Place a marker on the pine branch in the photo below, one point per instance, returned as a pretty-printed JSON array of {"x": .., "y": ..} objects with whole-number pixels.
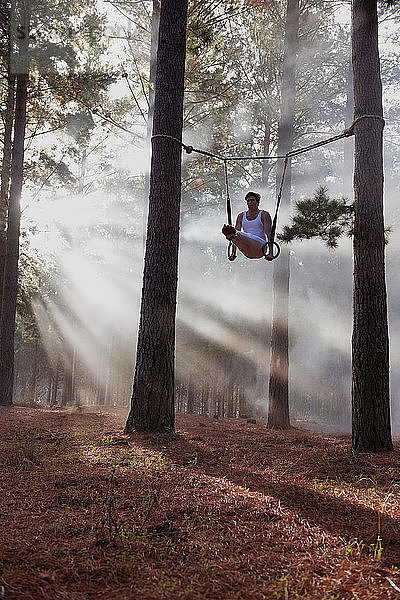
[{"x": 320, "y": 217}]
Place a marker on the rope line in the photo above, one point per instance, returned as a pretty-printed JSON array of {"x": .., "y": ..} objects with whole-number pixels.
[
  {"x": 228, "y": 198},
  {"x": 231, "y": 245},
  {"x": 349, "y": 131},
  {"x": 346, "y": 133},
  {"x": 278, "y": 201},
  {"x": 269, "y": 246}
]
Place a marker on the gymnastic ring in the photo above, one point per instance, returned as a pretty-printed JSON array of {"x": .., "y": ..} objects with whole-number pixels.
[{"x": 276, "y": 249}]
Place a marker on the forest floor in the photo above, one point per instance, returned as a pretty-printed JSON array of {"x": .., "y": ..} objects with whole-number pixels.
[{"x": 225, "y": 509}]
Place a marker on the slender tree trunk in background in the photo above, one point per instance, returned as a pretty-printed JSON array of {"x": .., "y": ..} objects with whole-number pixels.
[
  {"x": 5, "y": 174},
  {"x": 265, "y": 166},
  {"x": 75, "y": 399},
  {"x": 35, "y": 353},
  {"x": 68, "y": 381},
  {"x": 112, "y": 360},
  {"x": 82, "y": 173},
  {"x": 97, "y": 388},
  {"x": 155, "y": 26},
  {"x": 50, "y": 387},
  {"x": 348, "y": 158},
  {"x": 370, "y": 344},
  {"x": 230, "y": 400},
  {"x": 57, "y": 371},
  {"x": 182, "y": 398},
  {"x": 242, "y": 405},
  {"x": 202, "y": 399},
  {"x": 69, "y": 397},
  {"x": 107, "y": 377},
  {"x": 189, "y": 397},
  {"x": 278, "y": 406},
  {"x": 152, "y": 407}
]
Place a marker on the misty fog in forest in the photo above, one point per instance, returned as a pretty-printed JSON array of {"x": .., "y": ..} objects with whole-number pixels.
[{"x": 84, "y": 209}]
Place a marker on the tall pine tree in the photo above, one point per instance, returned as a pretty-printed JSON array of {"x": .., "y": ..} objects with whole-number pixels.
[
  {"x": 278, "y": 405},
  {"x": 20, "y": 67},
  {"x": 370, "y": 343},
  {"x": 152, "y": 406}
]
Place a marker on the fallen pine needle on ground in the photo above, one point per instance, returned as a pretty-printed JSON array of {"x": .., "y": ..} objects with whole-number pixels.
[{"x": 224, "y": 509}]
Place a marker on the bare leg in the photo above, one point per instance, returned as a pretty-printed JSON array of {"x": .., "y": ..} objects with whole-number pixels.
[{"x": 250, "y": 246}]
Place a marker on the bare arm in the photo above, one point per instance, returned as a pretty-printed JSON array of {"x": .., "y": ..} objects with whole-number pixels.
[
  {"x": 267, "y": 222},
  {"x": 238, "y": 225}
]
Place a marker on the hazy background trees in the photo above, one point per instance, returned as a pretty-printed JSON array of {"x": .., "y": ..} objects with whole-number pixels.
[{"x": 91, "y": 238}]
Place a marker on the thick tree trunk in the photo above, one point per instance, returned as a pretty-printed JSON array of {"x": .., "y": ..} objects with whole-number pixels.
[
  {"x": 10, "y": 285},
  {"x": 370, "y": 389},
  {"x": 19, "y": 66},
  {"x": 5, "y": 174},
  {"x": 152, "y": 407},
  {"x": 278, "y": 406}
]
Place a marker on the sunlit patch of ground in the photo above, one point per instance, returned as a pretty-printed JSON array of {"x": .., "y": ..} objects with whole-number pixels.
[{"x": 225, "y": 509}]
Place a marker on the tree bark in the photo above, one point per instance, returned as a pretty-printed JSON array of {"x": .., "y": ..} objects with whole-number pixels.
[
  {"x": 152, "y": 405},
  {"x": 10, "y": 285},
  {"x": 5, "y": 174},
  {"x": 19, "y": 65},
  {"x": 278, "y": 406},
  {"x": 370, "y": 342}
]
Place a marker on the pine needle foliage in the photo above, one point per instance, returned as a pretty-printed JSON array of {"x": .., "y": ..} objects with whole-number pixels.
[{"x": 320, "y": 217}]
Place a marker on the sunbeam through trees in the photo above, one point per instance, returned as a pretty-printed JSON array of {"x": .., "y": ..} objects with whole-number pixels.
[{"x": 175, "y": 424}]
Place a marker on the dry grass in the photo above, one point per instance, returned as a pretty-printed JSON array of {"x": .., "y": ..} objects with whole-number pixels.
[{"x": 223, "y": 510}]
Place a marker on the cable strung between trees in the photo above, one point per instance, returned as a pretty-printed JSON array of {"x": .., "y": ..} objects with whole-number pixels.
[{"x": 270, "y": 244}]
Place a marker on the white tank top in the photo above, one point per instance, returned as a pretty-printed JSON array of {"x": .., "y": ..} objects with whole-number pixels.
[{"x": 253, "y": 226}]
